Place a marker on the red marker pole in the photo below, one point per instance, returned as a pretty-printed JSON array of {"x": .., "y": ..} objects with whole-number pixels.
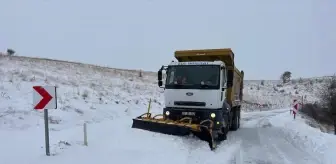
[{"x": 295, "y": 106}]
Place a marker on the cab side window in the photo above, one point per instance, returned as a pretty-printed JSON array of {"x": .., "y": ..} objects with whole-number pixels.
[{"x": 224, "y": 78}]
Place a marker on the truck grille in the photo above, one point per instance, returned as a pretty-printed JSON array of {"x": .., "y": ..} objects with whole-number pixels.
[{"x": 189, "y": 103}]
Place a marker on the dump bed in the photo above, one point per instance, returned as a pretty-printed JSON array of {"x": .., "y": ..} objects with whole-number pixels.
[
  {"x": 234, "y": 92},
  {"x": 226, "y": 55}
]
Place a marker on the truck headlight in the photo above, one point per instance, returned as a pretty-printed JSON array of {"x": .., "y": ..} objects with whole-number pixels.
[
  {"x": 167, "y": 113},
  {"x": 212, "y": 115}
]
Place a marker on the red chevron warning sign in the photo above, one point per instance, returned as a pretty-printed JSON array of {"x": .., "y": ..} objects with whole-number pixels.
[{"x": 44, "y": 97}]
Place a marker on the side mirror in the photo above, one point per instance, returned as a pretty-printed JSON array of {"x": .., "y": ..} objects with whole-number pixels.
[{"x": 160, "y": 77}]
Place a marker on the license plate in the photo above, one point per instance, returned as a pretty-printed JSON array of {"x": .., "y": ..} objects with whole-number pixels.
[{"x": 188, "y": 113}]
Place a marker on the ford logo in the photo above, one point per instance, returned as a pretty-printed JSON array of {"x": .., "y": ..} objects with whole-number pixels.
[{"x": 189, "y": 93}]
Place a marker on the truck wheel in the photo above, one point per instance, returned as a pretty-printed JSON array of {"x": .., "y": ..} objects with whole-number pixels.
[
  {"x": 235, "y": 121},
  {"x": 223, "y": 134},
  {"x": 238, "y": 122}
]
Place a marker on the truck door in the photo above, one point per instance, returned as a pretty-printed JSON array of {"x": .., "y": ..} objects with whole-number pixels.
[{"x": 223, "y": 85}]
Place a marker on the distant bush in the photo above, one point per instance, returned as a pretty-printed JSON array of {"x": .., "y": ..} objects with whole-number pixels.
[
  {"x": 324, "y": 110},
  {"x": 328, "y": 95},
  {"x": 319, "y": 80},
  {"x": 311, "y": 82},
  {"x": 318, "y": 113},
  {"x": 85, "y": 94},
  {"x": 294, "y": 81},
  {"x": 140, "y": 73},
  {"x": 275, "y": 89}
]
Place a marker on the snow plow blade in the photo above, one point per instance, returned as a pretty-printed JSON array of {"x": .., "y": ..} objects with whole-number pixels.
[{"x": 181, "y": 127}]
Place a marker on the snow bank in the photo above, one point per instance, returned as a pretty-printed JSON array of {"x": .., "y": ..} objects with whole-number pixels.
[
  {"x": 110, "y": 140},
  {"x": 305, "y": 137}
]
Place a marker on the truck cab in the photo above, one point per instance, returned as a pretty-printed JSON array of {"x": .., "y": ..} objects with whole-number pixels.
[
  {"x": 195, "y": 85},
  {"x": 195, "y": 89}
]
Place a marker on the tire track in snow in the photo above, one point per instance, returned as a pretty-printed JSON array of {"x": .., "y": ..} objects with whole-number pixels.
[
  {"x": 228, "y": 151},
  {"x": 262, "y": 143},
  {"x": 198, "y": 151}
]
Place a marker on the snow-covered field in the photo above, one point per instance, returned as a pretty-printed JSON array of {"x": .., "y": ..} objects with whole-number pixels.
[
  {"x": 107, "y": 99},
  {"x": 280, "y": 95}
]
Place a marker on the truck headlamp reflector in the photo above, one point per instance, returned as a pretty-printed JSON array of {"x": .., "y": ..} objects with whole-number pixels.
[
  {"x": 167, "y": 113},
  {"x": 212, "y": 115}
]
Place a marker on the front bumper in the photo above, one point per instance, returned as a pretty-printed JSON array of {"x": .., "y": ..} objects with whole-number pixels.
[{"x": 197, "y": 115}]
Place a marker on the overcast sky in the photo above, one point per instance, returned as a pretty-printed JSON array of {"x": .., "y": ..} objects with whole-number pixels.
[{"x": 268, "y": 37}]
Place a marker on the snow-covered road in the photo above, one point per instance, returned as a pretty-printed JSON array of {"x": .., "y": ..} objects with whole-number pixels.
[
  {"x": 265, "y": 143},
  {"x": 262, "y": 139}
]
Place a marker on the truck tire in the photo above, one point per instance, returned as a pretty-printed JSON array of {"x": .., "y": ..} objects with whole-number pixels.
[
  {"x": 224, "y": 131},
  {"x": 235, "y": 121},
  {"x": 239, "y": 120}
]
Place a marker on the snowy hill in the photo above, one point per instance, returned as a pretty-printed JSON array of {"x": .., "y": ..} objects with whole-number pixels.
[
  {"x": 86, "y": 92},
  {"x": 279, "y": 95},
  {"x": 109, "y": 98}
]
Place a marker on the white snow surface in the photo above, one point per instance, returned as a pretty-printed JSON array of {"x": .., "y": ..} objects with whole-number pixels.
[{"x": 107, "y": 99}]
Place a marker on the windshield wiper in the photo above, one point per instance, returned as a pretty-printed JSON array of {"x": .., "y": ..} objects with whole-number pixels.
[
  {"x": 204, "y": 85},
  {"x": 177, "y": 85}
]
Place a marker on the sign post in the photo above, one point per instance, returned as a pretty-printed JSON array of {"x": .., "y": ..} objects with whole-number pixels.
[
  {"x": 44, "y": 98},
  {"x": 46, "y": 132}
]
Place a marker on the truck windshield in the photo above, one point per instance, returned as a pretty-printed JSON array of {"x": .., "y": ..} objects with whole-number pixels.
[{"x": 193, "y": 77}]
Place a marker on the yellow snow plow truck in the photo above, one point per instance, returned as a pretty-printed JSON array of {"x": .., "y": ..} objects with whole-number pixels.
[{"x": 203, "y": 92}]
